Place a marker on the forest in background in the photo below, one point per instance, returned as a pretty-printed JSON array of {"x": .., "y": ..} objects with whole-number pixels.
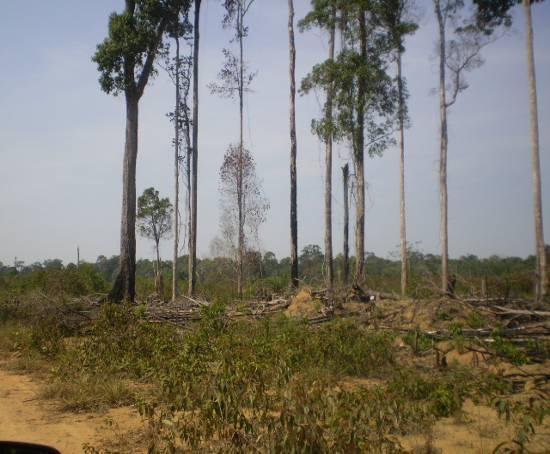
[{"x": 267, "y": 276}]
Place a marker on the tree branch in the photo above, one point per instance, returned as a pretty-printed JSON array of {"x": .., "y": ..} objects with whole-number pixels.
[{"x": 148, "y": 66}]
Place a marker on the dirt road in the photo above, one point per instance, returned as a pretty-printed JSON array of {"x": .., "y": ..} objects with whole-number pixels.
[{"x": 26, "y": 417}]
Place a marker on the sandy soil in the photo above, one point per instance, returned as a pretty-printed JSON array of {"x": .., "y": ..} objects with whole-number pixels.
[{"x": 26, "y": 417}]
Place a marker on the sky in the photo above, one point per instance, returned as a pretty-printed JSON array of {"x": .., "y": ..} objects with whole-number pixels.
[{"x": 61, "y": 139}]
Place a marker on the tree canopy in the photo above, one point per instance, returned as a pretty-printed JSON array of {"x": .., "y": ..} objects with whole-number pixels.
[{"x": 125, "y": 58}]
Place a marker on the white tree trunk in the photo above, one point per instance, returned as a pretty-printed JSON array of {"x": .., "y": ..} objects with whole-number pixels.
[
  {"x": 240, "y": 189},
  {"x": 193, "y": 214},
  {"x": 329, "y": 274},
  {"x": 541, "y": 276},
  {"x": 403, "y": 226},
  {"x": 443, "y": 200},
  {"x": 359, "y": 156}
]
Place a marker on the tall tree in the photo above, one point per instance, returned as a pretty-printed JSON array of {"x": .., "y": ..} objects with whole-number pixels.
[
  {"x": 293, "y": 151},
  {"x": 178, "y": 68},
  {"x": 176, "y": 171},
  {"x": 236, "y": 80},
  {"x": 154, "y": 222},
  {"x": 364, "y": 101},
  {"x": 491, "y": 14},
  {"x": 329, "y": 267},
  {"x": 195, "y": 153},
  {"x": 457, "y": 54},
  {"x": 395, "y": 15},
  {"x": 125, "y": 61}
]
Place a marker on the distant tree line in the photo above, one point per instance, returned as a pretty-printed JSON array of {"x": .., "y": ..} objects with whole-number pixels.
[{"x": 266, "y": 275}]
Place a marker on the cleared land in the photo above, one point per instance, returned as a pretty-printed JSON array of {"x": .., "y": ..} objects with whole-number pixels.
[{"x": 384, "y": 376}]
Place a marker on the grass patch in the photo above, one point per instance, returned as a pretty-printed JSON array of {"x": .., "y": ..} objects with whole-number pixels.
[{"x": 90, "y": 393}]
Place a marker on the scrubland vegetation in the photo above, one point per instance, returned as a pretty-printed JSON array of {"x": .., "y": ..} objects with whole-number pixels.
[{"x": 227, "y": 383}]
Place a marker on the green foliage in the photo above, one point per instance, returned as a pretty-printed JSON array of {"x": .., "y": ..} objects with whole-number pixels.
[
  {"x": 52, "y": 281},
  {"x": 525, "y": 416},
  {"x": 506, "y": 277},
  {"x": 418, "y": 341},
  {"x": 491, "y": 14},
  {"x": 508, "y": 350},
  {"x": 476, "y": 321},
  {"x": 359, "y": 84},
  {"x": 272, "y": 385},
  {"x": 154, "y": 215},
  {"x": 125, "y": 58}
]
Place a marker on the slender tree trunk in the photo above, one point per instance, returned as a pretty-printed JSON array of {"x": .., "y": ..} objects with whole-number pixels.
[
  {"x": 329, "y": 270},
  {"x": 159, "y": 284},
  {"x": 541, "y": 276},
  {"x": 443, "y": 200},
  {"x": 293, "y": 152},
  {"x": 176, "y": 176},
  {"x": 188, "y": 165},
  {"x": 193, "y": 234},
  {"x": 403, "y": 230},
  {"x": 240, "y": 197},
  {"x": 124, "y": 287},
  {"x": 359, "y": 164},
  {"x": 345, "y": 175}
]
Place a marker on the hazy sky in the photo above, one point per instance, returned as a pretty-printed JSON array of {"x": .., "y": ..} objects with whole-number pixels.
[{"x": 61, "y": 138}]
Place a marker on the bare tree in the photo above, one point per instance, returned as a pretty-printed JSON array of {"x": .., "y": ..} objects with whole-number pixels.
[
  {"x": 345, "y": 175},
  {"x": 178, "y": 68},
  {"x": 396, "y": 17},
  {"x": 457, "y": 55},
  {"x": 490, "y": 15},
  {"x": 293, "y": 151},
  {"x": 243, "y": 206},
  {"x": 176, "y": 173},
  {"x": 192, "y": 264},
  {"x": 235, "y": 80},
  {"x": 359, "y": 159},
  {"x": 541, "y": 273}
]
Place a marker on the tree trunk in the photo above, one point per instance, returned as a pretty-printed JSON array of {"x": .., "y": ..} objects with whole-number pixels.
[
  {"x": 403, "y": 227},
  {"x": 124, "y": 287},
  {"x": 193, "y": 234},
  {"x": 240, "y": 197},
  {"x": 443, "y": 202},
  {"x": 293, "y": 152},
  {"x": 159, "y": 283},
  {"x": 345, "y": 174},
  {"x": 359, "y": 163},
  {"x": 176, "y": 177},
  {"x": 329, "y": 271},
  {"x": 541, "y": 276}
]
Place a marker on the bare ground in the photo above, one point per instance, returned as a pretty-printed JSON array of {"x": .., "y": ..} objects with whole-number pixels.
[{"x": 24, "y": 416}]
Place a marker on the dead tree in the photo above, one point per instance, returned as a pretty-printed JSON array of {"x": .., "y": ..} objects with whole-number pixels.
[
  {"x": 293, "y": 151},
  {"x": 345, "y": 175}
]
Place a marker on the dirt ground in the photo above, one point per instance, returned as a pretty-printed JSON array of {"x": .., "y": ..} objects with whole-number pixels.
[{"x": 24, "y": 416}]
